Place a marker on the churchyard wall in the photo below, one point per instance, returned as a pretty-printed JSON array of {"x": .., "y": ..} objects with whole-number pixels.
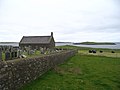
[{"x": 16, "y": 73}]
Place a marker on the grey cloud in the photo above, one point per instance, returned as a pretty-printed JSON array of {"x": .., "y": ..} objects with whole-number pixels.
[{"x": 79, "y": 19}]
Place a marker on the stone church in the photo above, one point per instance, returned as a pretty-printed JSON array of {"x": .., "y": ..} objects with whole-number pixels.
[{"x": 36, "y": 42}]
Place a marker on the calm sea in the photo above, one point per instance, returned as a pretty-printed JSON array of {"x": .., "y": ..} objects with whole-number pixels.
[
  {"x": 117, "y": 46},
  {"x": 9, "y": 44}
]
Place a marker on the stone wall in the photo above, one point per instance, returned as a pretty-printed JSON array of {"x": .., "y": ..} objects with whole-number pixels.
[{"x": 16, "y": 73}]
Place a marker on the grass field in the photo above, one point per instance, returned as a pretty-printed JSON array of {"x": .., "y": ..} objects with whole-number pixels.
[
  {"x": 81, "y": 72},
  {"x": 85, "y": 51}
]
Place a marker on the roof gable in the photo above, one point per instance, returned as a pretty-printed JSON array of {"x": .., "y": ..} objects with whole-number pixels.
[{"x": 36, "y": 39}]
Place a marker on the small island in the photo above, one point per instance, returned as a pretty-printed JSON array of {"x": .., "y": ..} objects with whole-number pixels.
[{"x": 95, "y": 43}]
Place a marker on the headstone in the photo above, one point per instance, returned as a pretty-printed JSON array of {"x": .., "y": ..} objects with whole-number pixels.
[
  {"x": 0, "y": 54},
  {"x": 48, "y": 50},
  {"x": 12, "y": 55},
  {"x": 7, "y": 55},
  {"x": 9, "y": 48},
  {"x": 42, "y": 51},
  {"x": 23, "y": 56},
  {"x": 31, "y": 52},
  {"x": 15, "y": 54},
  {"x": 19, "y": 53},
  {"x": 36, "y": 47},
  {"x": 28, "y": 50},
  {"x": 3, "y": 49}
]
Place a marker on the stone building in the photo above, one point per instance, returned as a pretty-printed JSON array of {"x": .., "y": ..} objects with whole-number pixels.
[{"x": 36, "y": 42}]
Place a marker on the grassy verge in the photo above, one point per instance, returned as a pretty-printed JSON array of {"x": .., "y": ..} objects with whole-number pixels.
[{"x": 81, "y": 72}]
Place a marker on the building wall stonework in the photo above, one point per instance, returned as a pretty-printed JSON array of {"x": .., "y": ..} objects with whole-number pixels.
[{"x": 16, "y": 73}]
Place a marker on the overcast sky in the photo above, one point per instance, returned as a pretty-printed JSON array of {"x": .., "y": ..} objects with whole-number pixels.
[{"x": 70, "y": 20}]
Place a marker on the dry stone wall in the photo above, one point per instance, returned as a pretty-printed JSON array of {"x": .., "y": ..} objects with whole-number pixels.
[{"x": 15, "y": 73}]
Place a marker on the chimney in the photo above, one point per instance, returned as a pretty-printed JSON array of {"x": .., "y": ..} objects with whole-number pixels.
[{"x": 51, "y": 33}]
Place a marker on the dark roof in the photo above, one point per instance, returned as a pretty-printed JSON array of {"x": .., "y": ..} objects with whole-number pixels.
[{"x": 36, "y": 39}]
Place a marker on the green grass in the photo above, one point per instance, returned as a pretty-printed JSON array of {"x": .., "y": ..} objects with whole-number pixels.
[
  {"x": 37, "y": 53},
  {"x": 3, "y": 56},
  {"x": 106, "y": 53},
  {"x": 81, "y": 72},
  {"x": 85, "y": 50}
]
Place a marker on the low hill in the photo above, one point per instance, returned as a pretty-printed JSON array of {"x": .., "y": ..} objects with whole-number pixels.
[{"x": 96, "y": 43}]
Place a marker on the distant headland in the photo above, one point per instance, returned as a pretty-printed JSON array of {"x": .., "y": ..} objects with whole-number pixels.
[{"x": 95, "y": 43}]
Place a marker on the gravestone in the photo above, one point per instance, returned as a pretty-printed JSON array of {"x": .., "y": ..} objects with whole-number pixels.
[
  {"x": 12, "y": 55},
  {"x": 19, "y": 53},
  {"x": 28, "y": 50},
  {"x": 3, "y": 49},
  {"x": 31, "y": 52},
  {"x": 35, "y": 51},
  {"x": 7, "y": 55},
  {"x": 48, "y": 51},
  {"x": 10, "y": 49},
  {"x": 0, "y": 54},
  {"x": 42, "y": 50},
  {"x": 15, "y": 54}
]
